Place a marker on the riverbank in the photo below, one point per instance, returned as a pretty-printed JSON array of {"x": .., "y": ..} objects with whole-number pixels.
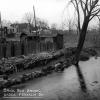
[
  {"x": 65, "y": 85},
  {"x": 27, "y": 75}
]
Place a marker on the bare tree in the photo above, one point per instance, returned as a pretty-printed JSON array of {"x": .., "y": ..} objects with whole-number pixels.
[
  {"x": 42, "y": 23},
  {"x": 28, "y": 17},
  {"x": 54, "y": 26},
  {"x": 63, "y": 25},
  {"x": 76, "y": 24},
  {"x": 99, "y": 25},
  {"x": 90, "y": 9},
  {"x": 70, "y": 24},
  {"x": 35, "y": 22}
]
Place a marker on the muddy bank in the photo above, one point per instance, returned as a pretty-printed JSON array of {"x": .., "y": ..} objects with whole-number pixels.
[
  {"x": 65, "y": 85},
  {"x": 16, "y": 64},
  {"x": 58, "y": 67}
]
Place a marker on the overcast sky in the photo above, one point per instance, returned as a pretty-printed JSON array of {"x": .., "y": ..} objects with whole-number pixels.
[
  {"x": 51, "y": 10},
  {"x": 54, "y": 11}
]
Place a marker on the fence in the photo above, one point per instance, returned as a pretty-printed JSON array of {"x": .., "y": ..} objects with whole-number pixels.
[{"x": 10, "y": 49}]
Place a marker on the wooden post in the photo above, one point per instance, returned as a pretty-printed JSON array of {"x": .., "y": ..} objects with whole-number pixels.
[
  {"x": 22, "y": 48},
  {"x": 12, "y": 49},
  {"x": 4, "y": 50}
]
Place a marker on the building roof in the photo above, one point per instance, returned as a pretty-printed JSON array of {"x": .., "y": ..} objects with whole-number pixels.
[
  {"x": 47, "y": 33},
  {"x": 43, "y": 33}
]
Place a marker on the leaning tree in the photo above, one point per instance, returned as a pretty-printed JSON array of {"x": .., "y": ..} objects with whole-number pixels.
[{"x": 86, "y": 9}]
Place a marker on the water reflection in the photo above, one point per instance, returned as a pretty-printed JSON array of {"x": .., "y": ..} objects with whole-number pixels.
[
  {"x": 66, "y": 85},
  {"x": 81, "y": 78}
]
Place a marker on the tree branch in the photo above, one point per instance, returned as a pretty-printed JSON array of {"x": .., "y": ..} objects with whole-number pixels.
[
  {"x": 82, "y": 6},
  {"x": 93, "y": 15},
  {"x": 76, "y": 6},
  {"x": 93, "y": 12},
  {"x": 93, "y": 4}
]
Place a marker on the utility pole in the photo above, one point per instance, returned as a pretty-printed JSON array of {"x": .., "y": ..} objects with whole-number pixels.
[
  {"x": 0, "y": 26},
  {"x": 35, "y": 20}
]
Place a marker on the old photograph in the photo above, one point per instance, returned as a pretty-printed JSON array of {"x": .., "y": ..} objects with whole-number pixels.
[{"x": 50, "y": 49}]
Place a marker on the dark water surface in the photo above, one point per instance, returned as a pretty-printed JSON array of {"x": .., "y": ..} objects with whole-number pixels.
[{"x": 65, "y": 85}]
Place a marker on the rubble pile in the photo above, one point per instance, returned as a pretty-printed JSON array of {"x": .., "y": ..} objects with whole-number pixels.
[
  {"x": 32, "y": 61},
  {"x": 31, "y": 76},
  {"x": 16, "y": 64}
]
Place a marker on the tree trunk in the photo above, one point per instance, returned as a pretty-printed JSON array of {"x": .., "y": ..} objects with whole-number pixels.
[
  {"x": 22, "y": 48},
  {"x": 12, "y": 49},
  {"x": 81, "y": 40},
  {"x": 78, "y": 51}
]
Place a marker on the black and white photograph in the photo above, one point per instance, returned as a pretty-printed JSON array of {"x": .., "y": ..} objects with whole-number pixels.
[{"x": 49, "y": 49}]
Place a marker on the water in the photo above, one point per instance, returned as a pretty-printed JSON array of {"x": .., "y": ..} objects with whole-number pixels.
[{"x": 65, "y": 85}]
